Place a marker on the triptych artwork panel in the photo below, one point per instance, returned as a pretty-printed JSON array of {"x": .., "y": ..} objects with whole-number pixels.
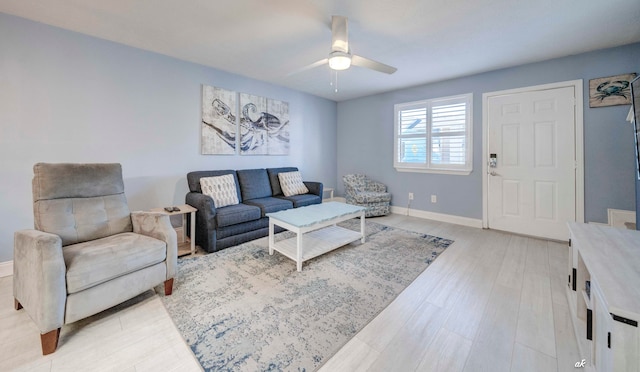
[{"x": 261, "y": 128}]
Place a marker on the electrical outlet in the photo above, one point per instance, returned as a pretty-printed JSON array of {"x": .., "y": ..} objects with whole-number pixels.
[
  {"x": 410, "y": 196},
  {"x": 434, "y": 199}
]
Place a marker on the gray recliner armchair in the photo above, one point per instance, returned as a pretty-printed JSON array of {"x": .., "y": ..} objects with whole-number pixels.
[{"x": 87, "y": 252}]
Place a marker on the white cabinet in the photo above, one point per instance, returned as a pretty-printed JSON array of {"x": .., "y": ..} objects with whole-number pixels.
[{"x": 604, "y": 295}]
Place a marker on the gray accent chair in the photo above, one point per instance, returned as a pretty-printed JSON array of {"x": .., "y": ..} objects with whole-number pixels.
[
  {"x": 87, "y": 252},
  {"x": 362, "y": 191}
]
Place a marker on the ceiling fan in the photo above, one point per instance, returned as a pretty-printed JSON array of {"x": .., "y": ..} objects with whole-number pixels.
[{"x": 340, "y": 57}]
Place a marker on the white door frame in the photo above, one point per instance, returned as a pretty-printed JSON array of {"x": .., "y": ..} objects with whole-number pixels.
[{"x": 579, "y": 145}]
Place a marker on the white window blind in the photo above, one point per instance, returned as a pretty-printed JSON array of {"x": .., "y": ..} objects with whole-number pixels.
[{"x": 434, "y": 135}]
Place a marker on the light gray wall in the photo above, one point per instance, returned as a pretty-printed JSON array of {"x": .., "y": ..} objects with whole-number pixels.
[
  {"x": 67, "y": 97},
  {"x": 365, "y": 136}
]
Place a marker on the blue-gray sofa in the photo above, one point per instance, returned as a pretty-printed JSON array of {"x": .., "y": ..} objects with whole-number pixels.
[{"x": 259, "y": 193}]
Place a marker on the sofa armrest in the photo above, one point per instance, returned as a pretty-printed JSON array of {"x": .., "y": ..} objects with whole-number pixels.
[
  {"x": 158, "y": 225},
  {"x": 205, "y": 219},
  {"x": 314, "y": 187},
  {"x": 376, "y": 186},
  {"x": 206, "y": 208},
  {"x": 39, "y": 281}
]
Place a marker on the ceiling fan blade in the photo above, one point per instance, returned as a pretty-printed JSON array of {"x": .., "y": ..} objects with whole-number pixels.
[
  {"x": 371, "y": 64},
  {"x": 339, "y": 34},
  {"x": 309, "y": 67}
]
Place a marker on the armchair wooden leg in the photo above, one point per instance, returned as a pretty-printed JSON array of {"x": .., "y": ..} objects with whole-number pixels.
[
  {"x": 49, "y": 341},
  {"x": 168, "y": 287},
  {"x": 17, "y": 304}
]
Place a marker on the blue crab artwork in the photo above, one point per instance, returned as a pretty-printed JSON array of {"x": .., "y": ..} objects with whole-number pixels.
[{"x": 618, "y": 88}]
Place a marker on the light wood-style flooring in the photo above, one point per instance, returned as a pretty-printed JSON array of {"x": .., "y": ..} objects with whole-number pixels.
[{"x": 491, "y": 302}]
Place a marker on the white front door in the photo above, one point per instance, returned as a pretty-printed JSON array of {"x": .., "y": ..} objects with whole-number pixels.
[{"x": 532, "y": 188}]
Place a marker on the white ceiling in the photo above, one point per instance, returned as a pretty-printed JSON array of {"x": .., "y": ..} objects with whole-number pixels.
[{"x": 426, "y": 40}]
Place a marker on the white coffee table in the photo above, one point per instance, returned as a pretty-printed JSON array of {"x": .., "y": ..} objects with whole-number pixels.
[{"x": 316, "y": 230}]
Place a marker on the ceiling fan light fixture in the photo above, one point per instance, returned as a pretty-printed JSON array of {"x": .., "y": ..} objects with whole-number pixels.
[{"x": 339, "y": 61}]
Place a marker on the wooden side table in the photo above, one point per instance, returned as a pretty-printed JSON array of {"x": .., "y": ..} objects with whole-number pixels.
[
  {"x": 330, "y": 191},
  {"x": 186, "y": 245}
]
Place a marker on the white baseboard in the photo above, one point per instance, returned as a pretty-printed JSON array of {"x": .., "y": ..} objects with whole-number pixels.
[
  {"x": 458, "y": 220},
  {"x": 6, "y": 268}
]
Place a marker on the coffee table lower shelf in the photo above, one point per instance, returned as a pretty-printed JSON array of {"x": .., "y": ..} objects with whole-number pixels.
[{"x": 317, "y": 242}]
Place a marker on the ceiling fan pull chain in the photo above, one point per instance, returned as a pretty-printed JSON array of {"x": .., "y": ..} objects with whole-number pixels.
[{"x": 336, "y": 86}]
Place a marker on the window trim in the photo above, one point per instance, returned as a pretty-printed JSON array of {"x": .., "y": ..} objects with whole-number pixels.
[{"x": 426, "y": 167}]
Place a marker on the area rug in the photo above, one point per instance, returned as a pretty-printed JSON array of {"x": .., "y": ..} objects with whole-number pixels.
[{"x": 242, "y": 309}]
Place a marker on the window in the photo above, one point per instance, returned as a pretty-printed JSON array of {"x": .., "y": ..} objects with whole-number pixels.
[{"x": 434, "y": 135}]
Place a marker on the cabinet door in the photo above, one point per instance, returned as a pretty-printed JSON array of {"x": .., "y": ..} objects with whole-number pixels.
[
  {"x": 625, "y": 347},
  {"x": 602, "y": 327}
]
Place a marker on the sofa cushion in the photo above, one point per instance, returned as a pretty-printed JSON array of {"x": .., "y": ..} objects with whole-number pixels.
[
  {"x": 254, "y": 183},
  {"x": 241, "y": 228},
  {"x": 371, "y": 197},
  {"x": 80, "y": 202},
  {"x": 98, "y": 261},
  {"x": 275, "y": 181},
  {"x": 291, "y": 183},
  {"x": 70, "y": 180},
  {"x": 222, "y": 189},
  {"x": 239, "y": 213},
  {"x": 302, "y": 200},
  {"x": 78, "y": 220},
  {"x": 270, "y": 205},
  {"x": 376, "y": 209}
]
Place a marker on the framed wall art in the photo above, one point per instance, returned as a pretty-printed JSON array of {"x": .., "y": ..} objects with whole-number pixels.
[
  {"x": 219, "y": 128},
  {"x": 610, "y": 91},
  {"x": 264, "y": 126}
]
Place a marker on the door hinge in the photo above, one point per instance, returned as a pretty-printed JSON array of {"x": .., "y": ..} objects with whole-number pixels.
[
  {"x": 609, "y": 340},
  {"x": 569, "y": 242},
  {"x": 573, "y": 282}
]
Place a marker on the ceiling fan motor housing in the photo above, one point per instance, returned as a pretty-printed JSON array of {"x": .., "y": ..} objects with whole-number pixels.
[{"x": 339, "y": 60}]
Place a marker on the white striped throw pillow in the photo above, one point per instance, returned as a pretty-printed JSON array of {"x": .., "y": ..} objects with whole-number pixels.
[
  {"x": 291, "y": 183},
  {"x": 222, "y": 189}
]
